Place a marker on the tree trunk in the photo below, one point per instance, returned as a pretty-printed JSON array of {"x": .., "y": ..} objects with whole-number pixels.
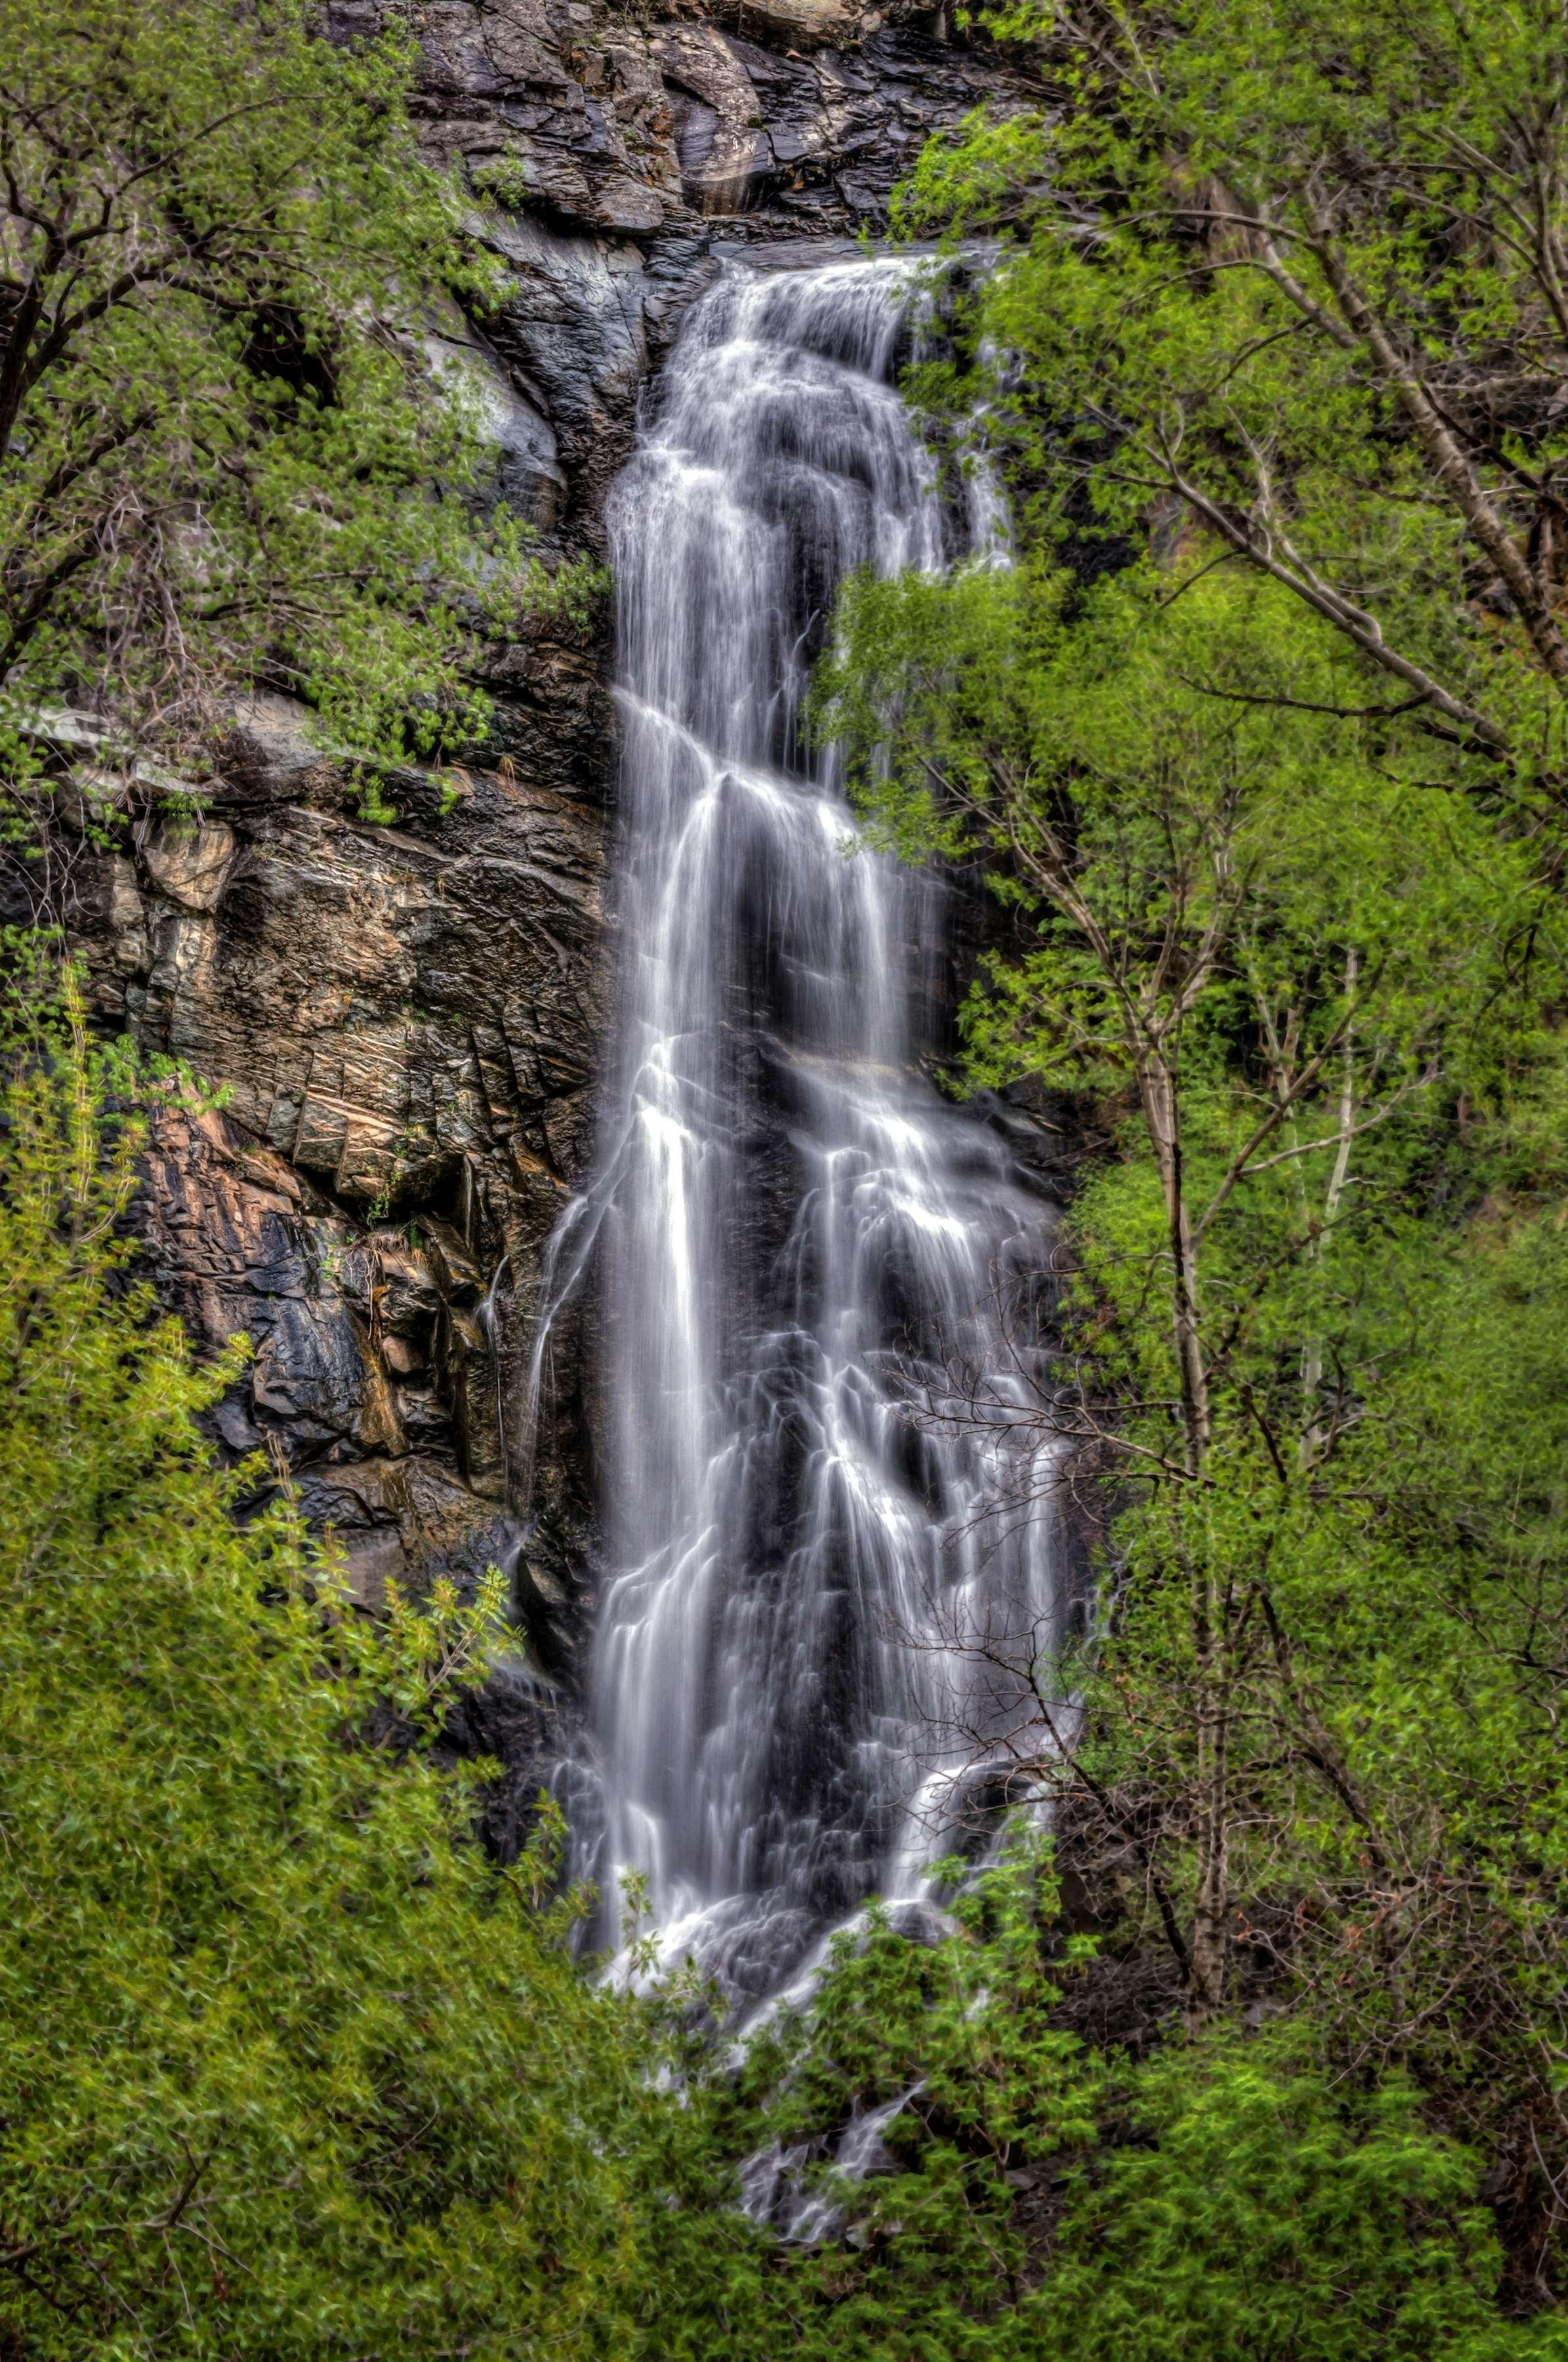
[
  {"x": 1212, "y": 1909},
  {"x": 1157, "y": 1086},
  {"x": 1210, "y": 1934},
  {"x": 1448, "y": 462}
]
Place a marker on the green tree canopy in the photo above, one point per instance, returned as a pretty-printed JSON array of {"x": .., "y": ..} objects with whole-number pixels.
[
  {"x": 1258, "y": 738},
  {"x": 287, "y": 2066},
  {"x": 223, "y": 449},
  {"x": 1282, "y": 283}
]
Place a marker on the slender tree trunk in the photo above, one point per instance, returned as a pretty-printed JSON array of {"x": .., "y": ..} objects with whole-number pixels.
[
  {"x": 1313, "y": 1358},
  {"x": 1211, "y": 1907},
  {"x": 15, "y": 354},
  {"x": 1157, "y": 1089},
  {"x": 1448, "y": 461},
  {"x": 1210, "y": 1640}
]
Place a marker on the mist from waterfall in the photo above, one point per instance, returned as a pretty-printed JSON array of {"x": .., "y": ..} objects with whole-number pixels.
[{"x": 800, "y": 1244}]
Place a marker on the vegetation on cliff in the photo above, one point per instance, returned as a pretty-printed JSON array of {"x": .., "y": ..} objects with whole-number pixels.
[
  {"x": 229, "y": 445},
  {"x": 287, "y": 2066}
]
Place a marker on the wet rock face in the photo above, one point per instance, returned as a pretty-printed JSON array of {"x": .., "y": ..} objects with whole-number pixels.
[
  {"x": 799, "y": 139},
  {"x": 628, "y": 123},
  {"x": 603, "y": 151},
  {"x": 404, "y": 1021},
  {"x": 364, "y": 1351}
]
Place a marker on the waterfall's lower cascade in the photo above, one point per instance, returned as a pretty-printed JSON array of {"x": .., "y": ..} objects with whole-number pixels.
[{"x": 798, "y": 1242}]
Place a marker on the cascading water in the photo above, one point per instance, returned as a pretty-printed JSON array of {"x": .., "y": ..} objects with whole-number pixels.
[{"x": 795, "y": 1237}]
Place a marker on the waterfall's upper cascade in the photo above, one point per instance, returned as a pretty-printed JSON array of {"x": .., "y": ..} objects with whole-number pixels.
[{"x": 798, "y": 1235}]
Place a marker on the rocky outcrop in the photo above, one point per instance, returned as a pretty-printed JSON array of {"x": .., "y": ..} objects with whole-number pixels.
[
  {"x": 608, "y": 157},
  {"x": 402, "y": 1020},
  {"x": 402, "y": 1023},
  {"x": 801, "y": 115}
]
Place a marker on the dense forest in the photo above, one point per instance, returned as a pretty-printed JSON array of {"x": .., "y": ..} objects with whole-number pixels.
[{"x": 1243, "y": 2034}]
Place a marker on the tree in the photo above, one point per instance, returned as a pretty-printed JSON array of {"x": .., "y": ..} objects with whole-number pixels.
[
  {"x": 1233, "y": 914},
  {"x": 288, "y": 2066},
  {"x": 1030, "y": 2195},
  {"x": 1261, "y": 741},
  {"x": 223, "y": 450},
  {"x": 1285, "y": 284}
]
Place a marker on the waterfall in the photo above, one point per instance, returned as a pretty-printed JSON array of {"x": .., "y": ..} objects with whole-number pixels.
[{"x": 799, "y": 1242}]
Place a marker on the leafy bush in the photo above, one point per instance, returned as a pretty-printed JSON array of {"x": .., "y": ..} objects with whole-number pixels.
[
  {"x": 286, "y": 2066},
  {"x": 225, "y": 447},
  {"x": 1266, "y": 2213},
  {"x": 1230, "y": 2200}
]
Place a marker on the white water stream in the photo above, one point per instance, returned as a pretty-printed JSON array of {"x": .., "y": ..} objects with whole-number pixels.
[{"x": 795, "y": 1235}]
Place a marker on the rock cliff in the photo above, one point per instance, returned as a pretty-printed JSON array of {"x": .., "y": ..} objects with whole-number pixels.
[{"x": 404, "y": 1019}]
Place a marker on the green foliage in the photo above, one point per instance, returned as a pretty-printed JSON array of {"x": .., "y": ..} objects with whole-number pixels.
[
  {"x": 1315, "y": 1295},
  {"x": 373, "y": 806},
  {"x": 574, "y": 598},
  {"x": 961, "y": 2033},
  {"x": 1259, "y": 743},
  {"x": 1231, "y": 2198},
  {"x": 1259, "y": 2212},
  {"x": 506, "y": 180},
  {"x": 286, "y": 2066},
  {"x": 222, "y": 447},
  {"x": 1263, "y": 269}
]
